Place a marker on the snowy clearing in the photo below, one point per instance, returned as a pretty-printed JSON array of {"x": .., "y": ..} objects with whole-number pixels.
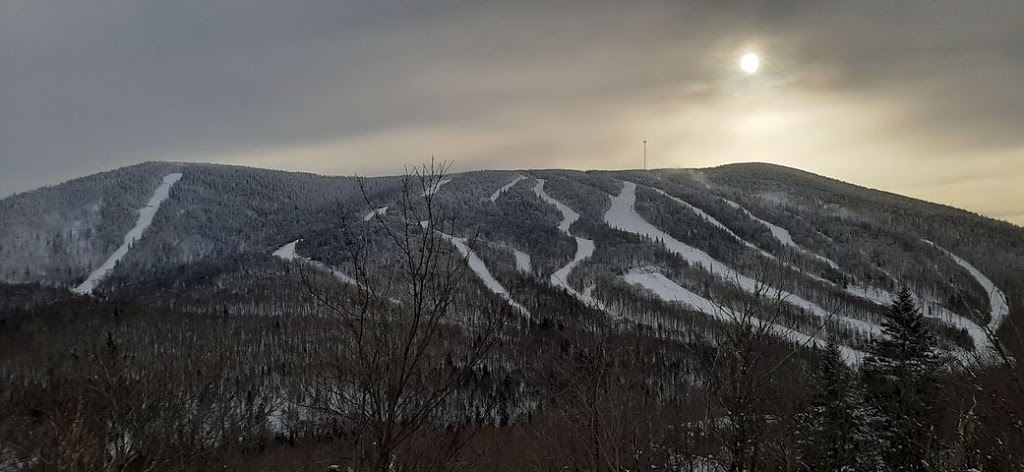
[
  {"x": 584, "y": 248},
  {"x": 146, "y": 215},
  {"x": 522, "y": 261},
  {"x": 288, "y": 253},
  {"x": 379, "y": 211},
  {"x": 670, "y": 291},
  {"x": 623, "y": 216},
  {"x": 506, "y": 187}
]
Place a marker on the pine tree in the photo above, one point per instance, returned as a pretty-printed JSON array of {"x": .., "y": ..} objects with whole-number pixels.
[
  {"x": 836, "y": 430},
  {"x": 901, "y": 376}
]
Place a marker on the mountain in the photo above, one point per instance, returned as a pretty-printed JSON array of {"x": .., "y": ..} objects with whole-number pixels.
[
  {"x": 213, "y": 317},
  {"x": 645, "y": 247}
]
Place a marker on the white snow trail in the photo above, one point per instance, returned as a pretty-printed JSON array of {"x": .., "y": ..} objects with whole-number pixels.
[
  {"x": 714, "y": 222},
  {"x": 379, "y": 211},
  {"x": 584, "y": 248},
  {"x": 670, "y": 291},
  {"x": 479, "y": 268},
  {"x": 783, "y": 235},
  {"x": 999, "y": 306},
  {"x": 288, "y": 253},
  {"x": 435, "y": 187},
  {"x": 146, "y": 215},
  {"x": 506, "y": 187},
  {"x": 623, "y": 216}
]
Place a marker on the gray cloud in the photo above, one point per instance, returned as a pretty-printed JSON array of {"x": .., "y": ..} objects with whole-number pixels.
[{"x": 900, "y": 95}]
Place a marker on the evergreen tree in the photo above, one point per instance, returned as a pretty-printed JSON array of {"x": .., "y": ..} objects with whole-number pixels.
[
  {"x": 901, "y": 378},
  {"x": 836, "y": 431}
]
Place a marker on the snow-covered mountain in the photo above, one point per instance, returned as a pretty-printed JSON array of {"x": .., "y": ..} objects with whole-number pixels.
[{"x": 659, "y": 248}]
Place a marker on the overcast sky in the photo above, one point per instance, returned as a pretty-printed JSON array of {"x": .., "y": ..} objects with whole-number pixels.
[{"x": 924, "y": 98}]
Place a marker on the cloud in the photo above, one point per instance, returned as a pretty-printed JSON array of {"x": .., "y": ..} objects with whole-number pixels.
[{"x": 885, "y": 94}]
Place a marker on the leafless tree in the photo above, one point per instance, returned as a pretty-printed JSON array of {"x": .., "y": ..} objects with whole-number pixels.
[{"x": 401, "y": 345}]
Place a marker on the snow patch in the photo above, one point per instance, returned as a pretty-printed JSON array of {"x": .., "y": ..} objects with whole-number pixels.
[
  {"x": 506, "y": 187},
  {"x": 146, "y": 215},
  {"x": 522, "y": 261}
]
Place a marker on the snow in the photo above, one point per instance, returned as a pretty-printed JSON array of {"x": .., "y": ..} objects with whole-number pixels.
[
  {"x": 522, "y": 261},
  {"x": 665, "y": 289},
  {"x": 783, "y": 235},
  {"x": 506, "y": 187},
  {"x": 480, "y": 269},
  {"x": 288, "y": 253},
  {"x": 379, "y": 211},
  {"x": 623, "y": 216},
  {"x": 584, "y": 248},
  {"x": 714, "y": 222},
  {"x": 436, "y": 187},
  {"x": 146, "y": 215},
  {"x": 999, "y": 306}
]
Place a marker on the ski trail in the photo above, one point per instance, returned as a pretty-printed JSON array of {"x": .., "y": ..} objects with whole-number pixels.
[
  {"x": 379, "y": 211},
  {"x": 584, "y": 247},
  {"x": 436, "y": 187},
  {"x": 480, "y": 269},
  {"x": 146, "y": 215},
  {"x": 506, "y": 187},
  {"x": 288, "y": 253},
  {"x": 714, "y": 222},
  {"x": 623, "y": 216},
  {"x": 873, "y": 294},
  {"x": 667, "y": 290},
  {"x": 999, "y": 306},
  {"x": 783, "y": 235}
]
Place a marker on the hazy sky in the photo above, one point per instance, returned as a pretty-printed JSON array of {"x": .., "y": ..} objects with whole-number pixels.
[{"x": 924, "y": 98}]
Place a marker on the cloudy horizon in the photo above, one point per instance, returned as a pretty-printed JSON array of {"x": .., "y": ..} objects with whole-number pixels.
[{"x": 920, "y": 98}]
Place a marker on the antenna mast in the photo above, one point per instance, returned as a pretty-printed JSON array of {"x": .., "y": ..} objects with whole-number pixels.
[{"x": 645, "y": 154}]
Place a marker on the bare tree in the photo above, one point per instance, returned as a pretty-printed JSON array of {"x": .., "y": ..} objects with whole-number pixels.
[{"x": 400, "y": 345}]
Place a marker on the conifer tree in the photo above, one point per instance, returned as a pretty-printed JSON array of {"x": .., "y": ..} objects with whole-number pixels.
[
  {"x": 901, "y": 376},
  {"x": 836, "y": 430}
]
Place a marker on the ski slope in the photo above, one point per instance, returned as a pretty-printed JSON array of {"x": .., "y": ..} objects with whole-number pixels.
[
  {"x": 623, "y": 216},
  {"x": 522, "y": 261},
  {"x": 506, "y": 187},
  {"x": 146, "y": 215},
  {"x": 288, "y": 253},
  {"x": 999, "y": 306},
  {"x": 714, "y": 222},
  {"x": 782, "y": 235},
  {"x": 667, "y": 290},
  {"x": 584, "y": 247},
  {"x": 435, "y": 187},
  {"x": 379, "y": 211},
  {"x": 480, "y": 269}
]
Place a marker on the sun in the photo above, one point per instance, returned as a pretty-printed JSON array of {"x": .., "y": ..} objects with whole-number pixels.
[{"x": 750, "y": 63}]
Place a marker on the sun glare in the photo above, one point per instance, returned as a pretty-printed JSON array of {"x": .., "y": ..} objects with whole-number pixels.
[{"x": 750, "y": 63}]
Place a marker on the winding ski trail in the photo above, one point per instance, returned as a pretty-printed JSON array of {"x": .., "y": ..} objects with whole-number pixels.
[
  {"x": 584, "y": 247},
  {"x": 146, "y": 215},
  {"x": 479, "y": 268},
  {"x": 288, "y": 253}
]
